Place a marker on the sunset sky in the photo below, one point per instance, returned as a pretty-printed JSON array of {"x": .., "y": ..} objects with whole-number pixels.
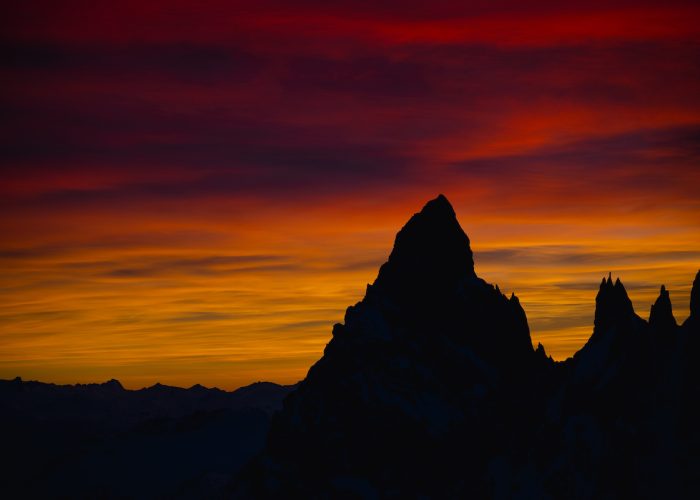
[{"x": 193, "y": 192}]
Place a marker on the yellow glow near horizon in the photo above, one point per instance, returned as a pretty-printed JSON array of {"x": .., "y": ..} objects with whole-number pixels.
[{"x": 238, "y": 304}]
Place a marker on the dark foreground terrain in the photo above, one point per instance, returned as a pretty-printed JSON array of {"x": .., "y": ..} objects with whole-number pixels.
[
  {"x": 102, "y": 441},
  {"x": 431, "y": 388}
]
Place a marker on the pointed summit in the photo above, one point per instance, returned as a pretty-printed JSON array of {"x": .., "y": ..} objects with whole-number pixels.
[
  {"x": 661, "y": 314},
  {"x": 431, "y": 254},
  {"x": 613, "y": 306},
  {"x": 695, "y": 297},
  {"x": 439, "y": 205},
  {"x": 540, "y": 351}
]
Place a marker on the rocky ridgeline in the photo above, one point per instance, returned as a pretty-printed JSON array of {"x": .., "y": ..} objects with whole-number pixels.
[{"x": 431, "y": 388}]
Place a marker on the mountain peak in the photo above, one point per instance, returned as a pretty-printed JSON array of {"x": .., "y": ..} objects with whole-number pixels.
[
  {"x": 439, "y": 206},
  {"x": 431, "y": 253},
  {"x": 695, "y": 297},
  {"x": 612, "y": 304},
  {"x": 113, "y": 384},
  {"x": 661, "y": 314}
]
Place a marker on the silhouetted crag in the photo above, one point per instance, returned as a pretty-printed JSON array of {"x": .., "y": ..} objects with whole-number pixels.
[
  {"x": 661, "y": 314},
  {"x": 431, "y": 388}
]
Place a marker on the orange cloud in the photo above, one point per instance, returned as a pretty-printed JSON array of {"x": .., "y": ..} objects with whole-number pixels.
[{"x": 195, "y": 193}]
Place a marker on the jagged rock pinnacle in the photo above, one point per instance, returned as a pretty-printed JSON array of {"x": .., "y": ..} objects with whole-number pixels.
[
  {"x": 695, "y": 297},
  {"x": 661, "y": 314},
  {"x": 540, "y": 350},
  {"x": 612, "y": 304},
  {"x": 431, "y": 253}
]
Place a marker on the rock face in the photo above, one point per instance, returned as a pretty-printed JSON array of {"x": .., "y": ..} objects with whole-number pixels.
[
  {"x": 431, "y": 388},
  {"x": 695, "y": 299},
  {"x": 661, "y": 314}
]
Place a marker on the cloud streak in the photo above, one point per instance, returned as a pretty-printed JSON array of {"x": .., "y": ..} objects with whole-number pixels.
[{"x": 198, "y": 189}]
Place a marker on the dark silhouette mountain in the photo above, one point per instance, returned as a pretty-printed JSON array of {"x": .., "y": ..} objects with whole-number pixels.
[
  {"x": 103, "y": 441},
  {"x": 431, "y": 388},
  {"x": 661, "y": 314},
  {"x": 694, "y": 318}
]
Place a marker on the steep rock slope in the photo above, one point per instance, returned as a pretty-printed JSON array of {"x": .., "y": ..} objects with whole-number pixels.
[
  {"x": 431, "y": 388},
  {"x": 433, "y": 362}
]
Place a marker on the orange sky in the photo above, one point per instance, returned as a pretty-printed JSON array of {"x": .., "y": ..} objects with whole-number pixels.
[{"x": 194, "y": 193}]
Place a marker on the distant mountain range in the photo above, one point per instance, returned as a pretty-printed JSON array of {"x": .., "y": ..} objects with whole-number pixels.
[
  {"x": 431, "y": 388},
  {"x": 103, "y": 441}
]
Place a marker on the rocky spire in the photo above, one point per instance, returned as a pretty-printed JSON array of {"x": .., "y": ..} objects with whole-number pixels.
[
  {"x": 542, "y": 354},
  {"x": 613, "y": 306},
  {"x": 431, "y": 255},
  {"x": 695, "y": 297},
  {"x": 661, "y": 314}
]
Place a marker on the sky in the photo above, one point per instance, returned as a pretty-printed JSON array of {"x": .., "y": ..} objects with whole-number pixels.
[{"x": 194, "y": 192}]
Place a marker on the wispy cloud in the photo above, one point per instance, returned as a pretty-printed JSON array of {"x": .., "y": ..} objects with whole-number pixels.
[{"x": 194, "y": 192}]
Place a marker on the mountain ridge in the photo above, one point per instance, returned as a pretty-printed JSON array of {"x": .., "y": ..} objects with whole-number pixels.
[
  {"x": 435, "y": 363},
  {"x": 101, "y": 440},
  {"x": 431, "y": 387}
]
